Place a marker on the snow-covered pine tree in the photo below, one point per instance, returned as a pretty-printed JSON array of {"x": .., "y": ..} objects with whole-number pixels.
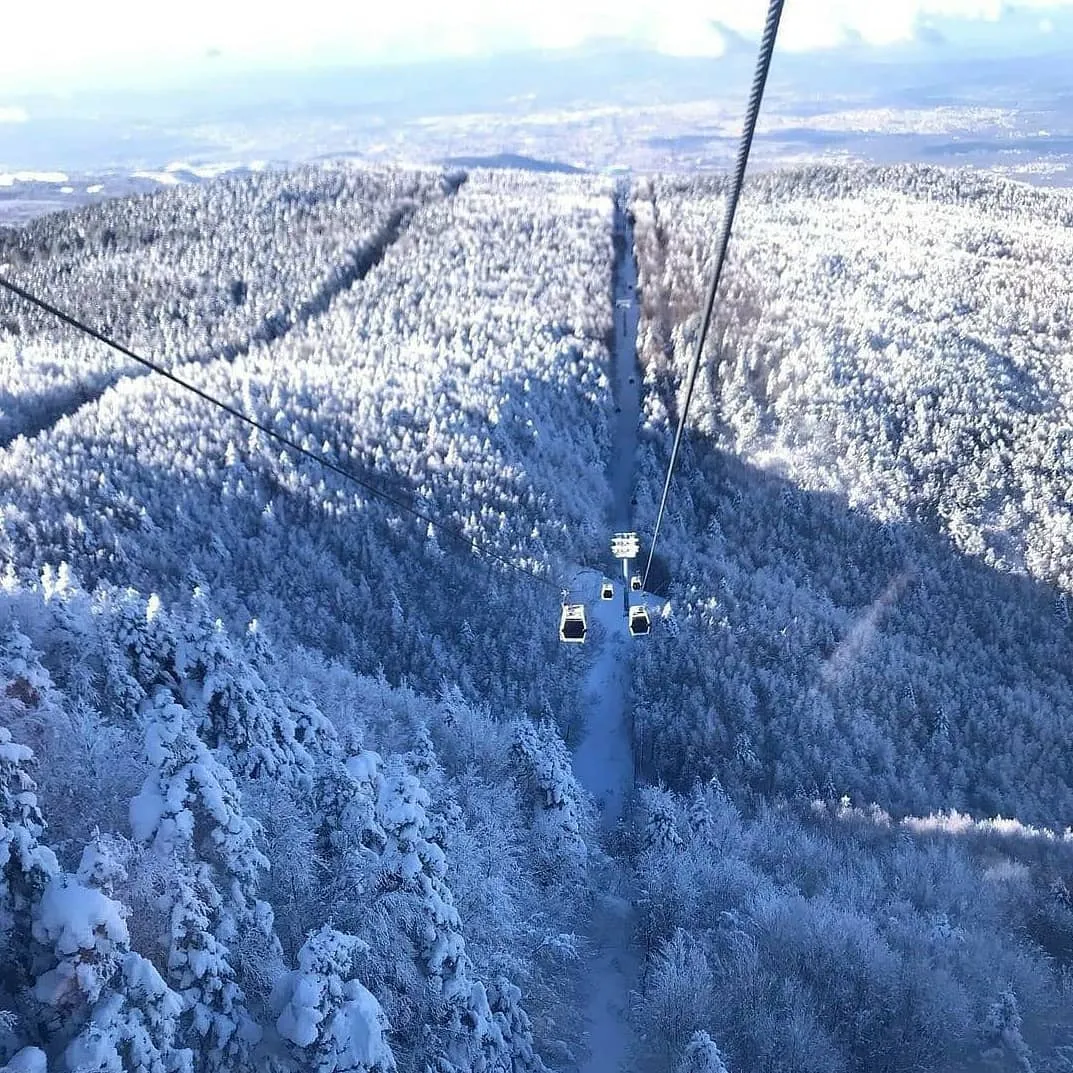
[
  {"x": 332, "y": 1023},
  {"x": 421, "y": 758},
  {"x": 412, "y": 863},
  {"x": 82, "y": 935},
  {"x": 27, "y": 866},
  {"x": 541, "y": 760},
  {"x": 213, "y": 901},
  {"x": 306, "y": 733},
  {"x": 132, "y": 1023},
  {"x": 699, "y": 815},
  {"x": 505, "y": 1002},
  {"x": 701, "y": 1055},
  {"x": 25, "y": 686},
  {"x": 242, "y": 710},
  {"x": 347, "y": 837},
  {"x": 660, "y": 820},
  {"x": 132, "y": 1027},
  {"x": 110, "y": 1011},
  {"x": 140, "y": 645},
  {"x": 460, "y": 1034},
  {"x": 1002, "y": 1030}
]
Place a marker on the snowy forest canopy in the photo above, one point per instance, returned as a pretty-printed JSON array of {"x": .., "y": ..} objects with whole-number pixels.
[{"x": 285, "y": 777}]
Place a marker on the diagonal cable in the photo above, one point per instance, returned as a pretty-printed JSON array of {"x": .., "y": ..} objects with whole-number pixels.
[
  {"x": 291, "y": 445},
  {"x": 763, "y": 63}
]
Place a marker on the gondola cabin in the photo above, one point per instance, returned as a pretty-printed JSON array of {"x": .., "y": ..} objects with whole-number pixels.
[
  {"x": 635, "y": 583},
  {"x": 573, "y": 624},
  {"x": 607, "y": 591},
  {"x": 640, "y": 623}
]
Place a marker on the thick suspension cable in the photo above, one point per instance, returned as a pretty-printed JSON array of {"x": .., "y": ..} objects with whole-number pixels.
[
  {"x": 756, "y": 96},
  {"x": 291, "y": 445}
]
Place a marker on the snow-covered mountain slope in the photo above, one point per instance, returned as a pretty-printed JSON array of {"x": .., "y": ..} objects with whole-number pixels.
[
  {"x": 201, "y": 811},
  {"x": 898, "y": 336},
  {"x": 304, "y": 760},
  {"x": 463, "y": 374},
  {"x": 867, "y": 561},
  {"x": 312, "y": 832},
  {"x": 28, "y": 195},
  {"x": 189, "y": 274},
  {"x": 880, "y": 427}
]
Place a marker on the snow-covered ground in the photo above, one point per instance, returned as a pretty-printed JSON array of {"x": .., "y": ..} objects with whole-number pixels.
[
  {"x": 603, "y": 760},
  {"x": 25, "y": 195}
]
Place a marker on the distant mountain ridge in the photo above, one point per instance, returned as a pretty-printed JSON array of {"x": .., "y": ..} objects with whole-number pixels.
[{"x": 513, "y": 160}]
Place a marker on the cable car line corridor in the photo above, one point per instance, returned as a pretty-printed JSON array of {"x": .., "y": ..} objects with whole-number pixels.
[
  {"x": 625, "y": 373},
  {"x": 603, "y": 759},
  {"x": 355, "y": 263}
]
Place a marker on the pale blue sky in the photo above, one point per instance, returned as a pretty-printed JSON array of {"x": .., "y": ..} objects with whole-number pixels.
[{"x": 71, "y": 45}]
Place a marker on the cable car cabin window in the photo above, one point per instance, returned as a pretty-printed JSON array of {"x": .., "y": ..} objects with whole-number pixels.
[
  {"x": 607, "y": 591},
  {"x": 573, "y": 625},
  {"x": 640, "y": 624}
]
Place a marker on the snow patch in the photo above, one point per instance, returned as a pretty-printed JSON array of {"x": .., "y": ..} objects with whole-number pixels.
[
  {"x": 165, "y": 178},
  {"x": 28, "y": 1060},
  {"x": 10, "y": 178},
  {"x": 202, "y": 171}
]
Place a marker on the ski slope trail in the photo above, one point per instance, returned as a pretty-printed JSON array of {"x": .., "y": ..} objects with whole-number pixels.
[{"x": 603, "y": 759}]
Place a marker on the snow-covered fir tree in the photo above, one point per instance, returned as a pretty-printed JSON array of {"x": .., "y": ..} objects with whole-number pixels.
[
  {"x": 701, "y": 1055},
  {"x": 190, "y": 813},
  {"x": 332, "y": 1023}
]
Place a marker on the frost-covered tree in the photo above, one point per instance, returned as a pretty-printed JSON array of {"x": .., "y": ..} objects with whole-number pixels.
[
  {"x": 413, "y": 863},
  {"x": 131, "y": 1016},
  {"x": 345, "y": 836},
  {"x": 699, "y": 815},
  {"x": 660, "y": 821},
  {"x": 83, "y": 936},
  {"x": 701, "y": 1055},
  {"x": 505, "y": 1004},
  {"x": 248, "y": 722},
  {"x": 27, "y": 865},
  {"x": 109, "y": 1009},
  {"x": 679, "y": 994},
  {"x": 131, "y": 1027},
  {"x": 190, "y": 813},
  {"x": 1002, "y": 1030},
  {"x": 139, "y": 647},
  {"x": 26, "y": 685},
  {"x": 541, "y": 760},
  {"x": 331, "y": 1021},
  {"x": 460, "y": 1033}
]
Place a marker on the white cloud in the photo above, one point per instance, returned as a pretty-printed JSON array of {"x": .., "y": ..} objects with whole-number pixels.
[
  {"x": 69, "y": 41},
  {"x": 13, "y": 115}
]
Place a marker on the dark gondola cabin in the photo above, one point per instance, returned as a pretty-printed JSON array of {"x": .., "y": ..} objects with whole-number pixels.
[
  {"x": 573, "y": 624},
  {"x": 640, "y": 623},
  {"x": 607, "y": 591}
]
